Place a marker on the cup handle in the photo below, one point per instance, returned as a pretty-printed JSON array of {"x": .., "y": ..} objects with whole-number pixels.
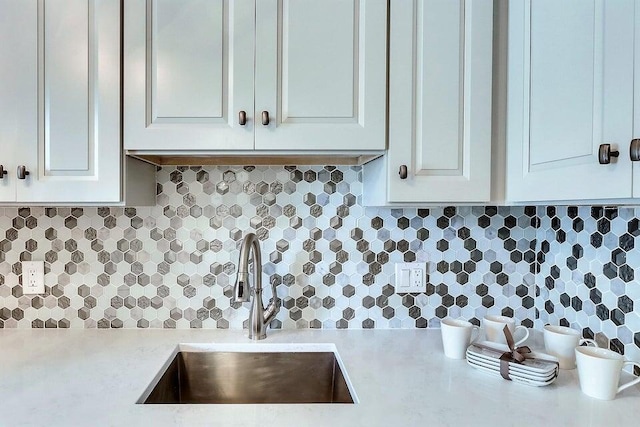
[
  {"x": 632, "y": 382},
  {"x": 588, "y": 342},
  {"x": 526, "y": 334},
  {"x": 477, "y": 331}
]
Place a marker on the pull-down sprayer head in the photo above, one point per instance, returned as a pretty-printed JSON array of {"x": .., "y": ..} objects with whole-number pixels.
[{"x": 241, "y": 290}]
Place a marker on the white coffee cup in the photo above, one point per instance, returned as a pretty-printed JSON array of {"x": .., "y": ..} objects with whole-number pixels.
[
  {"x": 561, "y": 342},
  {"x": 494, "y": 329},
  {"x": 599, "y": 372},
  {"x": 456, "y": 337}
]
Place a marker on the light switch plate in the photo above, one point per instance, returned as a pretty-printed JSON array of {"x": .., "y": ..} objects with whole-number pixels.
[
  {"x": 411, "y": 277},
  {"x": 32, "y": 277}
]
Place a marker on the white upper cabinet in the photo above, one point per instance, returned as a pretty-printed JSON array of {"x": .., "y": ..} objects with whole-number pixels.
[
  {"x": 440, "y": 88},
  {"x": 60, "y": 102},
  {"x": 307, "y": 75},
  {"x": 189, "y": 73},
  {"x": 570, "y": 90}
]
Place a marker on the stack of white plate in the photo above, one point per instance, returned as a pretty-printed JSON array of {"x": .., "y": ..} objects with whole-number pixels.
[{"x": 540, "y": 370}]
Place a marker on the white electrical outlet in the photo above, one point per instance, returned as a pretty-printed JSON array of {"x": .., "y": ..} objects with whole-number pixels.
[
  {"x": 32, "y": 277},
  {"x": 411, "y": 277}
]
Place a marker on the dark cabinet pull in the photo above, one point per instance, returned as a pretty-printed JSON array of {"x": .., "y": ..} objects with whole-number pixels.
[
  {"x": 634, "y": 150},
  {"x": 265, "y": 118},
  {"x": 403, "y": 172},
  {"x": 605, "y": 153},
  {"x": 2, "y": 172},
  {"x": 22, "y": 172},
  {"x": 242, "y": 118}
]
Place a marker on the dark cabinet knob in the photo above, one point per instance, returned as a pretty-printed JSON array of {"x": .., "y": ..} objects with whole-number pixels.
[
  {"x": 634, "y": 150},
  {"x": 265, "y": 118},
  {"x": 2, "y": 172},
  {"x": 605, "y": 153},
  {"x": 242, "y": 118},
  {"x": 403, "y": 172},
  {"x": 22, "y": 172}
]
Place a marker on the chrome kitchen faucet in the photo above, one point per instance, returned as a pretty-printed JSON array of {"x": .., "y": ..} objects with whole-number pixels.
[{"x": 259, "y": 317}]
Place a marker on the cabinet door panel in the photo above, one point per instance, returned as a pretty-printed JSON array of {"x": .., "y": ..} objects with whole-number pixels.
[
  {"x": 189, "y": 68},
  {"x": 181, "y": 77},
  {"x": 568, "y": 136},
  {"x": 321, "y": 74},
  {"x": 440, "y": 100},
  {"x": 570, "y": 90},
  {"x": 321, "y": 84},
  {"x": 68, "y": 142},
  {"x": 18, "y": 86},
  {"x": 75, "y": 157}
]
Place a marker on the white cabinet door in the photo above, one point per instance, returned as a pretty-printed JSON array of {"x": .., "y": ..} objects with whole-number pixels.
[
  {"x": 321, "y": 74},
  {"x": 18, "y": 85},
  {"x": 72, "y": 150},
  {"x": 440, "y": 101},
  {"x": 189, "y": 68},
  {"x": 570, "y": 89}
]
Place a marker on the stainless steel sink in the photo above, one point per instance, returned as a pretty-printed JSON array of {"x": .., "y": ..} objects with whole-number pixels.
[{"x": 250, "y": 377}]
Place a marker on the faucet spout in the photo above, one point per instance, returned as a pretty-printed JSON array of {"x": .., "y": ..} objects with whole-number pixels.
[{"x": 259, "y": 317}]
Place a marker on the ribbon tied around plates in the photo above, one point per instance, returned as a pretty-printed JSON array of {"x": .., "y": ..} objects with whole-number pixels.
[{"x": 515, "y": 354}]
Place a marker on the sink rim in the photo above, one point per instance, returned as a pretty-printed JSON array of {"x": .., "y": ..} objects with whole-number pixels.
[{"x": 250, "y": 348}]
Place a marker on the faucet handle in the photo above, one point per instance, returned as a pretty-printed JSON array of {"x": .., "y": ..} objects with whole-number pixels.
[
  {"x": 277, "y": 303},
  {"x": 272, "y": 310}
]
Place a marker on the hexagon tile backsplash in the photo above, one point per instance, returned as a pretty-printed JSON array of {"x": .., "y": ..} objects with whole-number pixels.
[{"x": 173, "y": 265}]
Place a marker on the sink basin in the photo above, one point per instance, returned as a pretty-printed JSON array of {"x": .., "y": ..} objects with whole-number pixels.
[{"x": 251, "y": 373}]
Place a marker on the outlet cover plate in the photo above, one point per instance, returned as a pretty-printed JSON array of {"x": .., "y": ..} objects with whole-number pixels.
[
  {"x": 411, "y": 277},
  {"x": 32, "y": 277}
]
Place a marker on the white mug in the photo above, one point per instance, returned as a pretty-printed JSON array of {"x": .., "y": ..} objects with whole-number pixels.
[
  {"x": 494, "y": 329},
  {"x": 456, "y": 337},
  {"x": 561, "y": 342},
  {"x": 599, "y": 372}
]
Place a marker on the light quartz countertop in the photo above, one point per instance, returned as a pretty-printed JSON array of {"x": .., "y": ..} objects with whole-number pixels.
[{"x": 94, "y": 378}]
